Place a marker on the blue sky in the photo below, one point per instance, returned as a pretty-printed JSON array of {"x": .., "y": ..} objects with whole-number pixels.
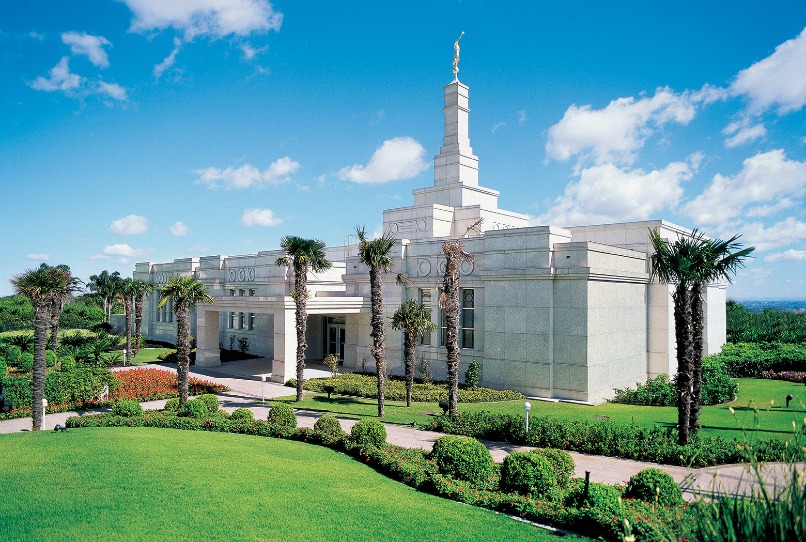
[{"x": 144, "y": 130}]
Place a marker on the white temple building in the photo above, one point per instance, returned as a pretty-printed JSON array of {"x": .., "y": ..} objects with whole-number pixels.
[{"x": 553, "y": 312}]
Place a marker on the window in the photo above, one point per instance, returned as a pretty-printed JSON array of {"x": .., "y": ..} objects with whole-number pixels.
[
  {"x": 240, "y": 320},
  {"x": 252, "y": 292},
  {"x": 232, "y": 293},
  {"x": 241, "y": 293},
  {"x": 159, "y": 314},
  {"x": 467, "y": 320},
  {"x": 425, "y": 300},
  {"x": 232, "y": 320},
  {"x": 170, "y": 311},
  {"x": 252, "y": 320}
]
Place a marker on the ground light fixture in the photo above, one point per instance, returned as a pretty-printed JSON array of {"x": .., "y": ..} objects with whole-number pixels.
[
  {"x": 44, "y": 407},
  {"x": 124, "y": 357},
  {"x": 263, "y": 388},
  {"x": 789, "y": 397},
  {"x": 527, "y": 406}
]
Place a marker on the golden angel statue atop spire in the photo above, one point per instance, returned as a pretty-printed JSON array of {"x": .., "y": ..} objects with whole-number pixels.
[{"x": 456, "y": 56}]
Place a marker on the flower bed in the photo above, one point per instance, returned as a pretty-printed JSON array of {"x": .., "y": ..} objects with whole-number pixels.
[
  {"x": 150, "y": 384},
  {"x": 789, "y": 376}
]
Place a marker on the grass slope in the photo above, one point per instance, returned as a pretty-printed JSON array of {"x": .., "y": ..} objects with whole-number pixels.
[
  {"x": 159, "y": 484},
  {"x": 773, "y": 421}
]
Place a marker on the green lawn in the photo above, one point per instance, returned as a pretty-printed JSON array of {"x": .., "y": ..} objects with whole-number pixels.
[
  {"x": 149, "y": 355},
  {"x": 773, "y": 422},
  {"x": 162, "y": 484}
]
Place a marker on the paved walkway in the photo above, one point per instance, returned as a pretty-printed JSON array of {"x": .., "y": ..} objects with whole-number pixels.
[{"x": 247, "y": 389}]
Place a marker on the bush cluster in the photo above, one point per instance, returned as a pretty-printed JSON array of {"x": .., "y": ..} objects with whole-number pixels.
[
  {"x": 329, "y": 427},
  {"x": 359, "y": 385},
  {"x": 126, "y": 408},
  {"x": 282, "y": 416},
  {"x": 368, "y": 433},
  {"x": 655, "y": 444},
  {"x": 242, "y": 414},
  {"x": 653, "y": 484},
  {"x": 79, "y": 387},
  {"x": 769, "y": 326},
  {"x": 755, "y": 359},
  {"x": 194, "y": 408},
  {"x": 464, "y": 458},
  {"x": 717, "y": 388}
]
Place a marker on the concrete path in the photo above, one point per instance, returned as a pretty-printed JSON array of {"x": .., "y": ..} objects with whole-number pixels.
[{"x": 247, "y": 389}]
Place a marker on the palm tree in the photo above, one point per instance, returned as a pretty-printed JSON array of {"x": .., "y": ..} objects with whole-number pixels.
[
  {"x": 124, "y": 293},
  {"x": 302, "y": 255},
  {"x": 375, "y": 254},
  {"x": 41, "y": 286},
  {"x": 141, "y": 289},
  {"x": 185, "y": 293},
  {"x": 57, "y": 304},
  {"x": 449, "y": 303},
  {"x": 104, "y": 285},
  {"x": 719, "y": 260},
  {"x": 415, "y": 321}
]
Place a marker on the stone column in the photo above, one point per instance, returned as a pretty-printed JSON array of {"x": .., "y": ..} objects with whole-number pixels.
[
  {"x": 207, "y": 352},
  {"x": 284, "y": 365}
]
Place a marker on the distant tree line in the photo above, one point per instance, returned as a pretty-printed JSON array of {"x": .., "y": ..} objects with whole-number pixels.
[
  {"x": 17, "y": 313},
  {"x": 769, "y": 326}
]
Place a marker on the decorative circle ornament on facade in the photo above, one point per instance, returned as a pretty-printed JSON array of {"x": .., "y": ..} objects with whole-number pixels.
[
  {"x": 467, "y": 268},
  {"x": 424, "y": 268},
  {"x": 242, "y": 274}
]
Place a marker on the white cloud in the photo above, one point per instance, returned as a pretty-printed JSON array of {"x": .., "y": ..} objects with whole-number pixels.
[
  {"x": 743, "y": 133},
  {"x": 773, "y": 208},
  {"x": 787, "y": 256},
  {"x": 521, "y": 117},
  {"x": 168, "y": 61},
  {"x": 95, "y": 257},
  {"x": 779, "y": 234},
  {"x": 778, "y": 81},
  {"x": 615, "y": 133},
  {"x": 607, "y": 193},
  {"x": 125, "y": 250},
  {"x": 248, "y": 175},
  {"x": 88, "y": 45},
  {"x": 396, "y": 159},
  {"x": 215, "y": 18},
  {"x": 259, "y": 217},
  {"x": 113, "y": 90},
  {"x": 250, "y": 52},
  {"x": 38, "y": 257},
  {"x": 179, "y": 229},
  {"x": 498, "y": 125},
  {"x": 765, "y": 177},
  {"x": 60, "y": 78},
  {"x": 129, "y": 225}
]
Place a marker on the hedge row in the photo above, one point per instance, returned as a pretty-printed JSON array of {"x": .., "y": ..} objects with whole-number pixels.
[
  {"x": 358, "y": 385},
  {"x": 754, "y": 359},
  {"x": 657, "y": 445},
  {"x": 598, "y": 516},
  {"x": 80, "y": 386}
]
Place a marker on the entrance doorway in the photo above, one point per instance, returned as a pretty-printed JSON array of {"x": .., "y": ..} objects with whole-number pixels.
[{"x": 335, "y": 336}]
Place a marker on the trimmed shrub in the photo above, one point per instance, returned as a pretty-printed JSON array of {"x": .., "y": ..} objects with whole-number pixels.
[
  {"x": 211, "y": 401},
  {"x": 68, "y": 363},
  {"x": 464, "y": 458},
  {"x": 282, "y": 415},
  {"x": 527, "y": 473},
  {"x": 26, "y": 362},
  {"x": 242, "y": 414},
  {"x": 561, "y": 463},
  {"x": 3, "y": 368},
  {"x": 172, "y": 405},
  {"x": 473, "y": 374},
  {"x": 717, "y": 387},
  {"x": 13, "y": 354},
  {"x": 127, "y": 408},
  {"x": 328, "y": 426},
  {"x": 368, "y": 433},
  {"x": 651, "y": 483},
  {"x": 50, "y": 358},
  {"x": 600, "y": 496},
  {"x": 195, "y": 408}
]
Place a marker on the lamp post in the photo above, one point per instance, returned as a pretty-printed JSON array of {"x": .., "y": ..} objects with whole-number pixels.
[
  {"x": 262, "y": 388},
  {"x": 124, "y": 357},
  {"x": 527, "y": 406},
  {"x": 44, "y": 407}
]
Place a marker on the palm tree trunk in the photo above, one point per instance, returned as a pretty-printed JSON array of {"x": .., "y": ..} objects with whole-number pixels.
[
  {"x": 138, "y": 322},
  {"x": 41, "y": 325},
  {"x": 450, "y": 289},
  {"x": 682, "y": 326},
  {"x": 409, "y": 340},
  {"x": 55, "y": 313},
  {"x": 182, "y": 312},
  {"x": 376, "y": 293},
  {"x": 301, "y": 299},
  {"x": 697, "y": 325}
]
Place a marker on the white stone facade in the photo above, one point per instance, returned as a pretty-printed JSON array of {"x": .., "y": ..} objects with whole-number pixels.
[{"x": 565, "y": 313}]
